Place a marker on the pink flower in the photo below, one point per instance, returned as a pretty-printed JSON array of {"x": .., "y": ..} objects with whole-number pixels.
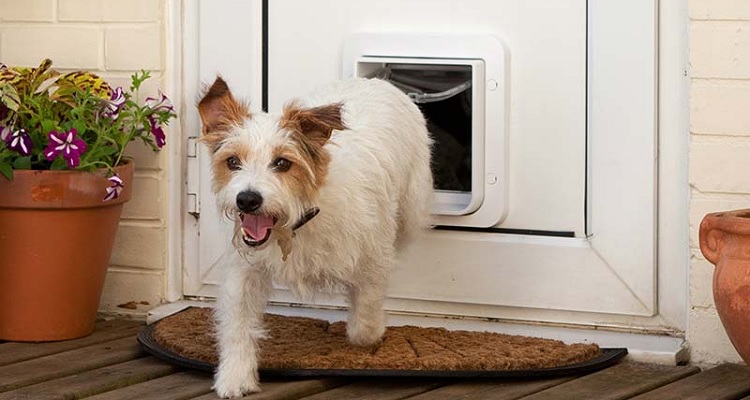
[
  {"x": 115, "y": 103},
  {"x": 158, "y": 132},
  {"x": 115, "y": 187},
  {"x": 160, "y": 104},
  {"x": 67, "y": 144}
]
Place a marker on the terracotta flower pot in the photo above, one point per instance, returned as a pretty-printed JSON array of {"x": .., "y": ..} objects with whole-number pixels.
[
  {"x": 725, "y": 242},
  {"x": 56, "y": 237}
]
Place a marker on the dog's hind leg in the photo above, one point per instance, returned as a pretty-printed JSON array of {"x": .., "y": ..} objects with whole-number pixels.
[
  {"x": 239, "y": 322},
  {"x": 366, "y": 321}
]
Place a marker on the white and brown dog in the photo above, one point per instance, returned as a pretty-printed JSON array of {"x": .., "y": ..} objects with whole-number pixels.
[{"x": 324, "y": 195}]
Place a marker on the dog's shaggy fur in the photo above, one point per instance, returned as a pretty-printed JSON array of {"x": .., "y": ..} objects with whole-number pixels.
[{"x": 359, "y": 152}]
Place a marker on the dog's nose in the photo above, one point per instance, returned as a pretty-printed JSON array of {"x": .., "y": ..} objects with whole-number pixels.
[{"x": 249, "y": 201}]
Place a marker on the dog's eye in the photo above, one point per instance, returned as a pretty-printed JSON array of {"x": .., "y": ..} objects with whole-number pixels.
[
  {"x": 233, "y": 163},
  {"x": 281, "y": 164}
]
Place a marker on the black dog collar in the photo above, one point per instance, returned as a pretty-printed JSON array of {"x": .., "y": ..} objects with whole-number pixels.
[{"x": 309, "y": 214}]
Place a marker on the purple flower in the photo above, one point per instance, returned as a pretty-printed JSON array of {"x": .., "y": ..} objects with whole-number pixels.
[
  {"x": 158, "y": 132},
  {"x": 115, "y": 187},
  {"x": 115, "y": 103},
  {"x": 160, "y": 104},
  {"x": 67, "y": 144},
  {"x": 19, "y": 140}
]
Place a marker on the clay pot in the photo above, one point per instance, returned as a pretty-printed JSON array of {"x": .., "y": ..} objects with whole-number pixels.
[
  {"x": 725, "y": 242},
  {"x": 56, "y": 237}
]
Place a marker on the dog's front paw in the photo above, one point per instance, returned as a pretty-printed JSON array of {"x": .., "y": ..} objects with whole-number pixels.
[
  {"x": 228, "y": 390},
  {"x": 235, "y": 383}
]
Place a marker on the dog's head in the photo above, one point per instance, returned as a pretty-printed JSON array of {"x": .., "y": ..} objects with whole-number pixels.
[{"x": 267, "y": 170}]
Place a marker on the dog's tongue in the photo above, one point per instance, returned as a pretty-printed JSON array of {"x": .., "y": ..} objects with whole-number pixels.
[{"x": 256, "y": 226}]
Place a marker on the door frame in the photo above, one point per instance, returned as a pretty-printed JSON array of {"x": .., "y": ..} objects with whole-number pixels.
[
  {"x": 672, "y": 230},
  {"x": 176, "y": 168}
]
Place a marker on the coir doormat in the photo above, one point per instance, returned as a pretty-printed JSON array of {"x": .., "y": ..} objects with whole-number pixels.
[{"x": 304, "y": 347}]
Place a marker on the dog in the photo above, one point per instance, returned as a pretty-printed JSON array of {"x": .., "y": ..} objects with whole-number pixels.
[{"x": 323, "y": 196}]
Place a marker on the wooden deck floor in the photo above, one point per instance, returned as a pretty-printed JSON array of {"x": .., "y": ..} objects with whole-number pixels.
[{"x": 109, "y": 365}]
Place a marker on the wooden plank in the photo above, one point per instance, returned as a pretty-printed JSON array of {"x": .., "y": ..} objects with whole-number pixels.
[
  {"x": 68, "y": 363},
  {"x": 725, "y": 382},
  {"x": 491, "y": 389},
  {"x": 290, "y": 390},
  {"x": 179, "y": 386},
  {"x": 95, "y": 381},
  {"x": 13, "y": 352},
  {"x": 381, "y": 389},
  {"x": 622, "y": 381}
]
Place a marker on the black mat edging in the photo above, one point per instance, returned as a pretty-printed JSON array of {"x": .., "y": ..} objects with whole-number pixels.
[{"x": 608, "y": 357}]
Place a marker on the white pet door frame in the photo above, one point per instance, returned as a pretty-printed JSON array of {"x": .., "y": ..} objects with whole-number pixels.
[
  {"x": 447, "y": 202},
  {"x": 485, "y": 205}
]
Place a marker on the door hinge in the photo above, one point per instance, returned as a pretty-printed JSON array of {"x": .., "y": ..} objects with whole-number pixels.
[{"x": 193, "y": 203}]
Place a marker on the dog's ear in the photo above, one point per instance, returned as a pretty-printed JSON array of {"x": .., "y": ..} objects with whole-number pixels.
[
  {"x": 219, "y": 111},
  {"x": 315, "y": 123}
]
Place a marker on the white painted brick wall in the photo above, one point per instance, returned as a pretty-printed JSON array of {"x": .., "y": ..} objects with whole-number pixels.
[
  {"x": 719, "y": 150},
  {"x": 113, "y": 38},
  {"x": 68, "y": 46},
  {"x": 27, "y": 10},
  {"x": 131, "y": 48},
  {"x": 721, "y": 164},
  {"x": 719, "y": 10},
  {"x": 140, "y": 245},
  {"x": 110, "y": 10},
  {"x": 721, "y": 49},
  {"x": 720, "y": 107}
]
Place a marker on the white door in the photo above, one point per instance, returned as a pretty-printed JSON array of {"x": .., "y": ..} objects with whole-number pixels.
[{"x": 579, "y": 241}]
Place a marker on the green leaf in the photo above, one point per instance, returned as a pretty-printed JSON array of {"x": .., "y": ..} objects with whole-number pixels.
[
  {"x": 88, "y": 168},
  {"x": 107, "y": 151},
  {"x": 9, "y": 96},
  {"x": 80, "y": 126},
  {"x": 59, "y": 163},
  {"x": 6, "y": 170},
  {"x": 47, "y": 126},
  {"x": 149, "y": 141},
  {"x": 22, "y": 163},
  {"x": 138, "y": 78}
]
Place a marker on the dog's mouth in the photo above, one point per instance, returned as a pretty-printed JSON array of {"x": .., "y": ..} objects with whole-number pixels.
[{"x": 256, "y": 228}]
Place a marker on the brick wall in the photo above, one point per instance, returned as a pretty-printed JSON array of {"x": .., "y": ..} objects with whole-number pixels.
[
  {"x": 719, "y": 149},
  {"x": 114, "y": 38}
]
